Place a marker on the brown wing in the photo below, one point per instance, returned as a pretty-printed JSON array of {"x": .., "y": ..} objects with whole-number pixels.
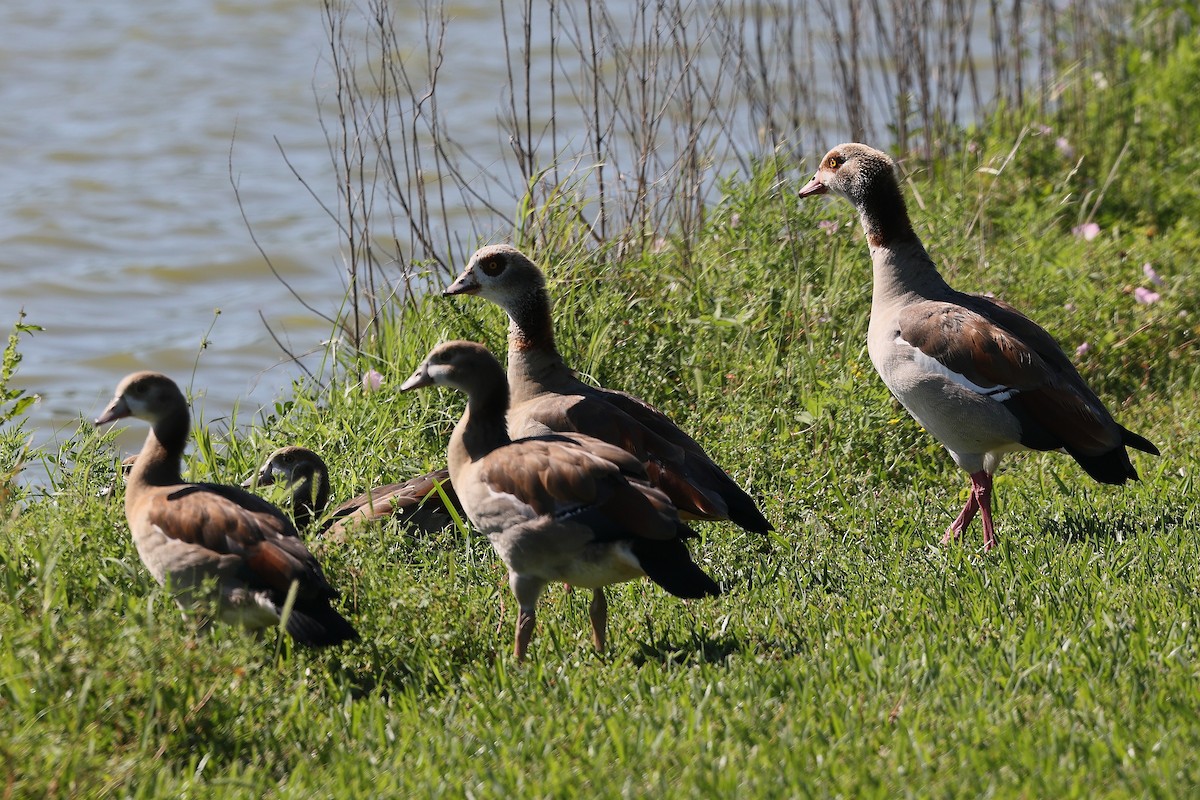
[
  {"x": 969, "y": 344},
  {"x": 668, "y": 465},
  {"x": 1012, "y": 359},
  {"x": 1035, "y": 337},
  {"x": 230, "y": 522},
  {"x": 696, "y": 483},
  {"x": 652, "y": 418},
  {"x": 399, "y": 498},
  {"x": 562, "y": 479}
]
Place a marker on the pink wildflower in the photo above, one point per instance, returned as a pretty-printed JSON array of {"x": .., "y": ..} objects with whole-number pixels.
[
  {"x": 1087, "y": 231},
  {"x": 1151, "y": 274},
  {"x": 372, "y": 380},
  {"x": 1145, "y": 296},
  {"x": 1064, "y": 147},
  {"x": 1082, "y": 349},
  {"x": 829, "y": 226}
]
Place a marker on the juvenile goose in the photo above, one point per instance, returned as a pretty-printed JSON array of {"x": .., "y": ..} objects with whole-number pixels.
[
  {"x": 414, "y": 502},
  {"x": 190, "y": 534},
  {"x": 305, "y": 475},
  {"x": 548, "y": 398},
  {"x": 556, "y": 508},
  {"x": 973, "y": 371}
]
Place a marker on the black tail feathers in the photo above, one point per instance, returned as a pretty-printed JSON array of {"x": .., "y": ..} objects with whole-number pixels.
[
  {"x": 669, "y": 564},
  {"x": 319, "y": 625},
  {"x": 1131, "y": 439},
  {"x": 1114, "y": 467}
]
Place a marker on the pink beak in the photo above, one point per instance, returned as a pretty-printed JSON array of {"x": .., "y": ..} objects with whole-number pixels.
[
  {"x": 813, "y": 187},
  {"x": 465, "y": 283}
]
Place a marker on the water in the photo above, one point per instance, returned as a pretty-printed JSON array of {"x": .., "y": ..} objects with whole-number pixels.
[{"x": 120, "y": 232}]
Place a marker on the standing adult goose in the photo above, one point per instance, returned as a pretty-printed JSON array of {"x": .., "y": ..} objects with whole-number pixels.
[
  {"x": 556, "y": 508},
  {"x": 547, "y": 397},
  {"x": 416, "y": 501},
  {"x": 973, "y": 371},
  {"x": 194, "y": 537}
]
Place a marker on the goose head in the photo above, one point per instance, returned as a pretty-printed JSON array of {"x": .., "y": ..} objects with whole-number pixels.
[
  {"x": 288, "y": 466},
  {"x": 466, "y": 366},
  {"x": 855, "y": 172},
  {"x": 149, "y": 396},
  {"x": 304, "y": 473},
  {"x": 500, "y": 273}
]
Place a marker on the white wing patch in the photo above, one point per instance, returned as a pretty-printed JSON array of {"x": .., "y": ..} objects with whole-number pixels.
[{"x": 928, "y": 364}]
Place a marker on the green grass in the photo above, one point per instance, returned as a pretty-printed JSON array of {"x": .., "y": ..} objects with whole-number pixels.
[{"x": 852, "y": 656}]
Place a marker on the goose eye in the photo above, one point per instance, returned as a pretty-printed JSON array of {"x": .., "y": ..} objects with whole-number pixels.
[
  {"x": 833, "y": 162},
  {"x": 492, "y": 266}
]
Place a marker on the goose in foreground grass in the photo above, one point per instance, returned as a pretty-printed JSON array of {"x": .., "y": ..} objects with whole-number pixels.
[
  {"x": 547, "y": 397},
  {"x": 416, "y": 502},
  {"x": 199, "y": 536},
  {"x": 555, "y": 507},
  {"x": 972, "y": 370}
]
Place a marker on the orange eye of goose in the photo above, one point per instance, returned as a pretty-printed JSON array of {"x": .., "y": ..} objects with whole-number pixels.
[
  {"x": 492, "y": 266},
  {"x": 833, "y": 162}
]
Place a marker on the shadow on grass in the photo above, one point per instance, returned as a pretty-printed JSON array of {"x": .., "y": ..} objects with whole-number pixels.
[
  {"x": 695, "y": 649},
  {"x": 1082, "y": 528}
]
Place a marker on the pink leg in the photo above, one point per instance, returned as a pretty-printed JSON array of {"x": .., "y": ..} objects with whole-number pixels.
[
  {"x": 979, "y": 501},
  {"x": 981, "y": 489},
  {"x": 964, "y": 518}
]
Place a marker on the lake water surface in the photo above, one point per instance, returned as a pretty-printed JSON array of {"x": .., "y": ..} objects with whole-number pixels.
[
  {"x": 120, "y": 233},
  {"x": 124, "y": 126}
]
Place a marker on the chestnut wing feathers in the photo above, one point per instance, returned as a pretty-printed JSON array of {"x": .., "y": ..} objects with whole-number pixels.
[
  {"x": 967, "y": 343},
  {"x": 398, "y": 498},
  {"x": 228, "y": 521},
  {"x": 1009, "y": 356},
  {"x": 694, "y": 478},
  {"x": 675, "y": 462},
  {"x": 582, "y": 479}
]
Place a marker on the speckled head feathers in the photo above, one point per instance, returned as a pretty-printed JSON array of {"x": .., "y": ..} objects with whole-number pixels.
[
  {"x": 853, "y": 171},
  {"x": 866, "y": 178}
]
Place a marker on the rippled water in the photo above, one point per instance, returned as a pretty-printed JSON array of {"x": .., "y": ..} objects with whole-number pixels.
[
  {"x": 119, "y": 228},
  {"x": 120, "y": 231}
]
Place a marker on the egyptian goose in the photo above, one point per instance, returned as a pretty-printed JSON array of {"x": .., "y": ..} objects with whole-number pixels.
[
  {"x": 194, "y": 535},
  {"x": 547, "y": 397},
  {"x": 556, "y": 508},
  {"x": 306, "y": 477},
  {"x": 415, "y": 502},
  {"x": 973, "y": 371}
]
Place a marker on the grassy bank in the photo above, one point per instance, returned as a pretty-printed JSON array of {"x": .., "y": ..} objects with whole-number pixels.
[{"x": 851, "y": 655}]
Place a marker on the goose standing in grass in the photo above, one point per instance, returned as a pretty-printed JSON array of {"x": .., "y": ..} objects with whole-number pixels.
[
  {"x": 973, "y": 371},
  {"x": 194, "y": 537},
  {"x": 547, "y": 397},
  {"x": 416, "y": 501},
  {"x": 556, "y": 508}
]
